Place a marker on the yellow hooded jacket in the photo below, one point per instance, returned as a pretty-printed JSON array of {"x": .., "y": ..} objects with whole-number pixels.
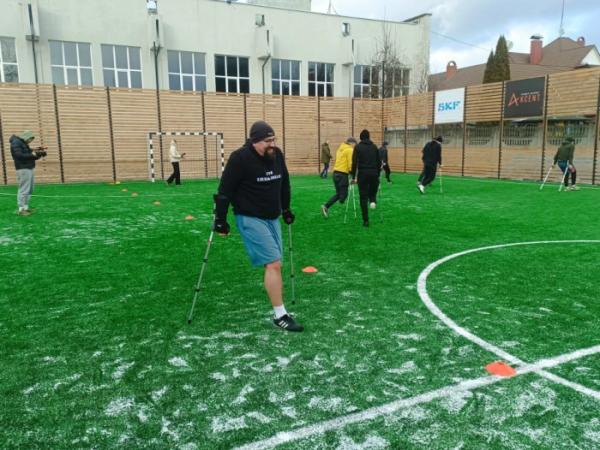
[{"x": 343, "y": 158}]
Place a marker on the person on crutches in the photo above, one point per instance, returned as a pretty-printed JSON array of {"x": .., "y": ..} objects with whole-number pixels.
[
  {"x": 256, "y": 182},
  {"x": 432, "y": 158},
  {"x": 564, "y": 158},
  {"x": 341, "y": 169}
]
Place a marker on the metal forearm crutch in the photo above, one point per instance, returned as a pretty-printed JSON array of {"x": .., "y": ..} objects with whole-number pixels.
[
  {"x": 546, "y": 177},
  {"x": 562, "y": 183},
  {"x": 353, "y": 199},
  {"x": 204, "y": 261},
  {"x": 292, "y": 275}
]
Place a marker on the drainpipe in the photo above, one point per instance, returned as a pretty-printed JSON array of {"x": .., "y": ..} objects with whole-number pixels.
[
  {"x": 33, "y": 39},
  {"x": 264, "y": 64}
]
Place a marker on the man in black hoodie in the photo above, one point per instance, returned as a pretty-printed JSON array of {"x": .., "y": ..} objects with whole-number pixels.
[
  {"x": 24, "y": 159},
  {"x": 256, "y": 182},
  {"x": 366, "y": 162},
  {"x": 432, "y": 157}
]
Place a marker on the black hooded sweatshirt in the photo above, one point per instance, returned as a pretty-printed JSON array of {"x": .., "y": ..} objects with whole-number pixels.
[
  {"x": 366, "y": 159},
  {"x": 256, "y": 186}
]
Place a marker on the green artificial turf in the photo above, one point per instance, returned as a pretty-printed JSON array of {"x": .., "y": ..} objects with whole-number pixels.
[{"x": 96, "y": 351}]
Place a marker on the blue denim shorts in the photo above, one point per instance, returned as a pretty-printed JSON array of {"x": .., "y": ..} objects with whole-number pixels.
[{"x": 262, "y": 239}]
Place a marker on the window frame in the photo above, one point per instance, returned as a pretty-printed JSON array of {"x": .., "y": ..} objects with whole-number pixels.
[
  {"x": 181, "y": 73},
  {"x": 362, "y": 86},
  {"x": 64, "y": 67},
  {"x": 227, "y": 78},
  {"x": 279, "y": 81},
  {"x": 116, "y": 70},
  {"x": 3, "y": 63},
  {"x": 328, "y": 85}
]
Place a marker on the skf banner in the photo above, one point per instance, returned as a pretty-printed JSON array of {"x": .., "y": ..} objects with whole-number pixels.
[
  {"x": 449, "y": 106},
  {"x": 524, "y": 98}
]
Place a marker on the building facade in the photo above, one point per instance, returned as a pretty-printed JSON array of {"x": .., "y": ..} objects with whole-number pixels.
[{"x": 206, "y": 45}]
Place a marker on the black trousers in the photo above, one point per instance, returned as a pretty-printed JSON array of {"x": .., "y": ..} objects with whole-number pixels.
[
  {"x": 386, "y": 169},
  {"x": 175, "y": 175},
  {"x": 340, "y": 181},
  {"x": 368, "y": 184},
  {"x": 428, "y": 173}
]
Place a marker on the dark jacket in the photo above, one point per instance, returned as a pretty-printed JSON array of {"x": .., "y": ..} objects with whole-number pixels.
[
  {"x": 325, "y": 153},
  {"x": 432, "y": 153},
  {"x": 383, "y": 154},
  {"x": 565, "y": 152},
  {"x": 21, "y": 153},
  {"x": 256, "y": 186},
  {"x": 365, "y": 159}
]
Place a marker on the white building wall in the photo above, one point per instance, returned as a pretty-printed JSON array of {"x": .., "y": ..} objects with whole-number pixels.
[{"x": 211, "y": 27}]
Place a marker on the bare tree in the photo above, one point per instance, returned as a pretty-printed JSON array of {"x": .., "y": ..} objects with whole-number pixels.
[{"x": 393, "y": 69}]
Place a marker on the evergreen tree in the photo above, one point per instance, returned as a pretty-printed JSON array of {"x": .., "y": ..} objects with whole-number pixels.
[
  {"x": 497, "y": 67},
  {"x": 489, "y": 68},
  {"x": 501, "y": 62}
]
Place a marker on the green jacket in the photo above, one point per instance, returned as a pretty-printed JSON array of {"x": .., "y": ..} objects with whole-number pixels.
[
  {"x": 325, "y": 153},
  {"x": 565, "y": 152}
]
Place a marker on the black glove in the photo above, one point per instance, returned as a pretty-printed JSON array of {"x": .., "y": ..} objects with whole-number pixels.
[
  {"x": 288, "y": 216},
  {"x": 41, "y": 153},
  {"x": 221, "y": 226}
]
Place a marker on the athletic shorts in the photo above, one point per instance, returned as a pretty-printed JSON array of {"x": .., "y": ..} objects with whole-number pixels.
[{"x": 262, "y": 239}]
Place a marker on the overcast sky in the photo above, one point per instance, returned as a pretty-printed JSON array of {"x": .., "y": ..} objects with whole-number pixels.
[{"x": 479, "y": 23}]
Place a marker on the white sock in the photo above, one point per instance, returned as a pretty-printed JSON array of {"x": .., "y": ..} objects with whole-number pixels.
[
  {"x": 22, "y": 208},
  {"x": 279, "y": 311}
]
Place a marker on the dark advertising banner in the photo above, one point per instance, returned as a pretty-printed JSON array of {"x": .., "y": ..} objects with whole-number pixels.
[{"x": 524, "y": 98}]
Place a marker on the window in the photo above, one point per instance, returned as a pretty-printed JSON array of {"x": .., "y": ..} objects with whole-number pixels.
[
  {"x": 121, "y": 66},
  {"x": 187, "y": 71},
  {"x": 400, "y": 82},
  {"x": 366, "y": 82},
  {"x": 9, "y": 70},
  {"x": 285, "y": 77},
  {"x": 320, "y": 79},
  {"x": 71, "y": 63},
  {"x": 231, "y": 74}
]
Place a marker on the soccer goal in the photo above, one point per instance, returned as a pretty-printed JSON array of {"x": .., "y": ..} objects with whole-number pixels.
[{"x": 204, "y": 154}]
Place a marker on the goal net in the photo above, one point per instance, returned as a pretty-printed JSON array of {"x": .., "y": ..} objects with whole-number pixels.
[{"x": 204, "y": 154}]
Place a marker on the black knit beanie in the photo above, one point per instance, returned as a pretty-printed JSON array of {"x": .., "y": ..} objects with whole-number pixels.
[{"x": 260, "y": 131}]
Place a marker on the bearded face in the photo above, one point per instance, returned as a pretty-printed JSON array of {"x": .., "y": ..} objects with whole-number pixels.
[{"x": 266, "y": 148}]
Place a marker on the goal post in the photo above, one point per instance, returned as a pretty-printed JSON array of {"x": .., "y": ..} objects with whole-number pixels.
[{"x": 200, "y": 160}]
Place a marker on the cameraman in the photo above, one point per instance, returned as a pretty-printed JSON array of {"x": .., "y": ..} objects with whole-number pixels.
[{"x": 25, "y": 159}]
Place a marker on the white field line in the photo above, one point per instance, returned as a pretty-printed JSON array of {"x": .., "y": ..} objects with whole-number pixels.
[
  {"x": 422, "y": 290},
  {"x": 123, "y": 196},
  {"x": 392, "y": 407}
]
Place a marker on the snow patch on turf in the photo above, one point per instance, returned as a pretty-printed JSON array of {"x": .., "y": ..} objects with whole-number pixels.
[
  {"x": 455, "y": 402},
  {"x": 120, "y": 371},
  {"x": 539, "y": 397},
  {"x": 176, "y": 361},
  {"x": 371, "y": 443},
  {"x": 157, "y": 395},
  {"x": 241, "y": 398},
  {"x": 409, "y": 337},
  {"x": 53, "y": 360},
  {"x": 592, "y": 431},
  {"x": 327, "y": 404},
  {"x": 224, "y": 424},
  {"x": 407, "y": 367},
  {"x": 119, "y": 407},
  {"x": 30, "y": 389},
  {"x": 218, "y": 376},
  {"x": 274, "y": 398},
  {"x": 168, "y": 431}
]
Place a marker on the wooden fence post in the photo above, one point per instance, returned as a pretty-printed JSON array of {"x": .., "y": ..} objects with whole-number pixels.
[
  {"x": 596, "y": 136},
  {"x": 545, "y": 123},
  {"x": 58, "y": 136},
  {"x": 2, "y": 153},
  {"x": 111, "y": 134}
]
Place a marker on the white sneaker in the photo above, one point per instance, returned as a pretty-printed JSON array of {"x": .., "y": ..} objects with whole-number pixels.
[
  {"x": 324, "y": 211},
  {"x": 421, "y": 188},
  {"x": 574, "y": 188},
  {"x": 373, "y": 205}
]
